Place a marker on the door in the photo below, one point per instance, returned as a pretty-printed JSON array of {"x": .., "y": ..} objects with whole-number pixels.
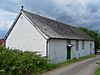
[{"x": 68, "y": 52}]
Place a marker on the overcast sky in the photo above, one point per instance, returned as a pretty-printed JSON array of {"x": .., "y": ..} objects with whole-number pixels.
[{"x": 75, "y": 12}]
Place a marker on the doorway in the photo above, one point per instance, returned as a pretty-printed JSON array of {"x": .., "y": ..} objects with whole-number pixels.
[{"x": 68, "y": 52}]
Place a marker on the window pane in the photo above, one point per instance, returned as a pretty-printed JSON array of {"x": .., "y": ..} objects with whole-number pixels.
[
  {"x": 77, "y": 45},
  {"x": 90, "y": 46},
  {"x": 83, "y": 44},
  {"x": 68, "y": 41}
]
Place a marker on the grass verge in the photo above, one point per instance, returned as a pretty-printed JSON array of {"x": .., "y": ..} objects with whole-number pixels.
[
  {"x": 68, "y": 62},
  {"x": 97, "y": 72}
]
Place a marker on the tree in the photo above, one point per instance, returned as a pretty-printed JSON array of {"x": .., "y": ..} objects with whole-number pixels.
[{"x": 95, "y": 34}]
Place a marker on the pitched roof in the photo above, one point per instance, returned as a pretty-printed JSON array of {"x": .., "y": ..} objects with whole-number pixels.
[{"x": 54, "y": 29}]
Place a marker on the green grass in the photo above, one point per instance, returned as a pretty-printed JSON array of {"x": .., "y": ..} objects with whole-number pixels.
[
  {"x": 68, "y": 62},
  {"x": 97, "y": 72}
]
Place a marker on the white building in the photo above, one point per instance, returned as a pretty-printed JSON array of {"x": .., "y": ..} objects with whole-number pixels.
[{"x": 58, "y": 41}]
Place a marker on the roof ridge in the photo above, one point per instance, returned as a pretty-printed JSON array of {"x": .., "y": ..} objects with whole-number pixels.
[
  {"x": 47, "y": 18},
  {"x": 53, "y": 28}
]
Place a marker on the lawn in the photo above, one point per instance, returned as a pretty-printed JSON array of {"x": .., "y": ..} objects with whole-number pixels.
[{"x": 97, "y": 71}]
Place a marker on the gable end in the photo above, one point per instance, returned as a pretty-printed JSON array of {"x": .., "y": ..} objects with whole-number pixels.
[
  {"x": 15, "y": 21},
  {"x": 9, "y": 31},
  {"x": 35, "y": 25}
]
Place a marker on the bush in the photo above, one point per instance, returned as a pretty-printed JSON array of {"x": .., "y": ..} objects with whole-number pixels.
[{"x": 15, "y": 62}]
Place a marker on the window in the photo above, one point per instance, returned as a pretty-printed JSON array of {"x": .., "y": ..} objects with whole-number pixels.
[
  {"x": 68, "y": 42},
  {"x": 77, "y": 45},
  {"x": 82, "y": 44},
  {"x": 90, "y": 46}
]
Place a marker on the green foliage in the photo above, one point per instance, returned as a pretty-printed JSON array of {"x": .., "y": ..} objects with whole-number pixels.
[
  {"x": 14, "y": 62},
  {"x": 70, "y": 61},
  {"x": 94, "y": 34},
  {"x": 97, "y": 72}
]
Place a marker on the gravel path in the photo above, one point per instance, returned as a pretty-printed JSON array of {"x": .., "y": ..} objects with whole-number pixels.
[{"x": 86, "y": 67}]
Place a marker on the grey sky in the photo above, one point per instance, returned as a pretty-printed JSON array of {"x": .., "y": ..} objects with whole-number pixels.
[{"x": 84, "y": 13}]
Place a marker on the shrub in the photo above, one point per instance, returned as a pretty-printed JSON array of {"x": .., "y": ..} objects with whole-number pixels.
[{"x": 15, "y": 62}]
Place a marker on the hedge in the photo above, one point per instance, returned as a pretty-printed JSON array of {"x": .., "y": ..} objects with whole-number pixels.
[{"x": 15, "y": 62}]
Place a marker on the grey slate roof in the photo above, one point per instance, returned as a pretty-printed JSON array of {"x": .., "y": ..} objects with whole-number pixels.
[{"x": 54, "y": 29}]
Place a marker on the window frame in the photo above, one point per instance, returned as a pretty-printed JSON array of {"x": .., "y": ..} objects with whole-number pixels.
[
  {"x": 77, "y": 45},
  {"x": 83, "y": 44},
  {"x": 68, "y": 42},
  {"x": 90, "y": 46}
]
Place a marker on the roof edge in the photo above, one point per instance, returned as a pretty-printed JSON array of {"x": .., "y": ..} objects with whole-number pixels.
[
  {"x": 71, "y": 39},
  {"x": 45, "y": 36},
  {"x": 33, "y": 22},
  {"x": 11, "y": 28}
]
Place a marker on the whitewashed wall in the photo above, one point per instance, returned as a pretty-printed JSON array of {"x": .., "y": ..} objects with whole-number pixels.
[
  {"x": 58, "y": 50},
  {"x": 73, "y": 49},
  {"x": 82, "y": 52},
  {"x": 25, "y": 37}
]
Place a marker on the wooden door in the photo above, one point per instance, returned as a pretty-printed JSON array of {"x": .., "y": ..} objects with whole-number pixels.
[{"x": 68, "y": 52}]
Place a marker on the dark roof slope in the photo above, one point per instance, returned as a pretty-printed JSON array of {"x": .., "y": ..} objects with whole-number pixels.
[{"x": 54, "y": 29}]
